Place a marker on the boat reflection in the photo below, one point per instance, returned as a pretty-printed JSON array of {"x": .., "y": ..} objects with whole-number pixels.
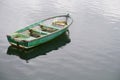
[{"x": 40, "y": 50}]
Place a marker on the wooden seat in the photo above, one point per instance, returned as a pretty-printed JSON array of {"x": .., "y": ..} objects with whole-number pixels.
[
  {"x": 19, "y": 37},
  {"x": 54, "y": 27},
  {"x": 39, "y": 31}
]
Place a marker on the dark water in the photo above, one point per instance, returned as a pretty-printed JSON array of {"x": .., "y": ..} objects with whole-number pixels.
[{"x": 90, "y": 52}]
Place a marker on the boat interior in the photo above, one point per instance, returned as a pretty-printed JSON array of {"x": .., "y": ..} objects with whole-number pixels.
[{"x": 39, "y": 31}]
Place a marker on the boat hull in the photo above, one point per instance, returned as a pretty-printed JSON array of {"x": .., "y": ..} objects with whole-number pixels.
[{"x": 41, "y": 39}]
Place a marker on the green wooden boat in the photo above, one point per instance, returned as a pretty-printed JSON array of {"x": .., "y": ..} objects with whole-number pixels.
[{"x": 40, "y": 32}]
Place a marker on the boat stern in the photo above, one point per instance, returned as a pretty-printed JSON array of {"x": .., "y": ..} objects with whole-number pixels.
[{"x": 22, "y": 44}]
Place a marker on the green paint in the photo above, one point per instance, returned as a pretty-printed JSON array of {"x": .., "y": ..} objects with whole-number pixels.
[{"x": 36, "y": 37}]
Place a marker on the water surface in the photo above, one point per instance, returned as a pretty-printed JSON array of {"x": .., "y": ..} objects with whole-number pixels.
[{"x": 89, "y": 52}]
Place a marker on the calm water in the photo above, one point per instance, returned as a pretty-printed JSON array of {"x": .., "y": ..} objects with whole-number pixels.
[{"x": 90, "y": 52}]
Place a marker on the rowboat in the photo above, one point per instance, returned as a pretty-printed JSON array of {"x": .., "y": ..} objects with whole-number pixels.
[{"x": 40, "y": 32}]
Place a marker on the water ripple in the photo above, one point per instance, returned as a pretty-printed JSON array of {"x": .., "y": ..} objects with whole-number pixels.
[{"x": 91, "y": 52}]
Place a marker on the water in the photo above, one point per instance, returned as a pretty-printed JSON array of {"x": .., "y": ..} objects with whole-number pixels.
[{"x": 89, "y": 52}]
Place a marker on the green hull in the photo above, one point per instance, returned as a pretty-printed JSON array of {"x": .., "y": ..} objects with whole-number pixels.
[{"x": 39, "y": 40}]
